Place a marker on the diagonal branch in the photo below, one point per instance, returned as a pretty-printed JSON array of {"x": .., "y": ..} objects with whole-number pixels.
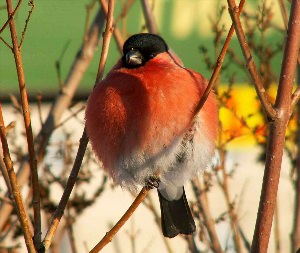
[
  {"x": 10, "y": 16},
  {"x": 63, "y": 99},
  {"x": 22, "y": 216},
  {"x": 149, "y": 18},
  {"x": 276, "y": 138},
  {"x": 117, "y": 34},
  {"x": 67, "y": 192},
  {"x": 219, "y": 63},
  {"x": 261, "y": 92},
  {"x": 28, "y": 128},
  {"x": 296, "y": 96},
  {"x": 83, "y": 141},
  {"x": 109, "y": 235}
]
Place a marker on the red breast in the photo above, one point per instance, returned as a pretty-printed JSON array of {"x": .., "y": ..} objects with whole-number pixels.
[{"x": 142, "y": 110}]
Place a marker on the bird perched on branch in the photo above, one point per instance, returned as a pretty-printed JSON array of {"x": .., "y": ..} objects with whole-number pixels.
[{"x": 142, "y": 126}]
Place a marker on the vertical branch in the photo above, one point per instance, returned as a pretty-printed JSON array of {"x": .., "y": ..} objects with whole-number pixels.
[
  {"x": 149, "y": 18},
  {"x": 260, "y": 90},
  {"x": 276, "y": 136},
  {"x": 28, "y": 128},
  {"x": 109, "y": 28},
  {"x": 84, "y": 139},
  {"x": 117, "y": 34},
  {"x": 208, "y": 219},
  {"x": 63, "y": 99},
  {"x": 283, "y": 13},
  {"x": 231, "y": 209},
  {"x": 22, "y": 216}
]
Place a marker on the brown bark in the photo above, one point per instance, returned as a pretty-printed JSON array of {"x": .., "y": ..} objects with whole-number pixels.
[{"x": 276, "y": 137}]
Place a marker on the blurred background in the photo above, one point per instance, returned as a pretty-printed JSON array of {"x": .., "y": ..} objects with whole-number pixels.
[{"x": 58, "y": 35}]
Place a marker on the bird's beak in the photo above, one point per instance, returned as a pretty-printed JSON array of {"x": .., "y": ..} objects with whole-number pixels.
[{"x": 134, "y": 58}]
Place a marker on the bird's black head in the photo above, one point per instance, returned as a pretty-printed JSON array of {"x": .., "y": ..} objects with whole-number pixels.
[{"x": 140, "y": 48}]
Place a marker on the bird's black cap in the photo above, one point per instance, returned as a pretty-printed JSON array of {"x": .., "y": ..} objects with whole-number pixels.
[{"x": 140, "y": 48}]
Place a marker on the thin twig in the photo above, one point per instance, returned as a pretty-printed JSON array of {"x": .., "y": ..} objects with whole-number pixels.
[
  {"x": 261, "y": 92},
  {"x": 276, "y": 136},
  {"x": 106, "y": 39},
  {"x": 6, "y": 177},
  {"x": 231, "y": 208},
  {"x": 218, "y": 66},
  {"x": 63, "y": 99},
  {"x": 31, "y": 3},
  {"x": 149, "y": 18},
  {"x": 22, "y": 216},
  {"x": 116, "y": 31},
  {"x": 295, "y": 97},
  {"x": 6, "y": 44},
  {"x": 283, "y": 13},
  {"x": 109, "y": 235},
  {"x": 67, "y": 192},
  {"x": 83, "y": 141},
  {"x": 28, "y": 128},
  {"x": 208, "y": 219},
  {"x": 10, "y": 16}
]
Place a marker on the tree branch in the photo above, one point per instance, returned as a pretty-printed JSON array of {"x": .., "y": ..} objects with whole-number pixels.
[
  {"x": 208, "y": 219},
  {"x": 219, "y": 63},
  {"x": 276, "y": 136},
  {"x": 116, "y": 31},
  {"x": 295, "y": 97},
  {"x": 109, "y": 235},
  {"x": 10, "y": 16},
  {"x": 28, "y": 128},
  {"x": 84, "y": 139},
  {"x": 22, "y": 216},
  {"x": 149, "y": 18},
  {"x": 261, "y": 92},
  {"x": 67, "y": 192},
  {"x": 62, "y": 102}
]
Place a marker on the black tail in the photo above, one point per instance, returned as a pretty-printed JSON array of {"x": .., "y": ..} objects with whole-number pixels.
[{"x": 176, "y": 216}]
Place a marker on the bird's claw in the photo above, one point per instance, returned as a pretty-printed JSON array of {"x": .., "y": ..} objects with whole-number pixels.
[{"x": 152, "y": 182}]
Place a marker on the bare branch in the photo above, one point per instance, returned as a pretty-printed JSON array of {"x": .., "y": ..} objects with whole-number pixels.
[
  {"x": 106, "y": 40},
  {"x": 6, "y": 44},
  {"x": 295, "y": 97},
  {"x": 10, "y": 16},
  {"x": 208, "y": 219},
  {"x": 28, "y": 128},
  {"x": 215, "y": 74},
  {"x": 116, "y": 31},
  {"x": 5, "y": 176},
  {"x": 109, "y": 235},
  {"x": 22, "y": 216},
  {"x": 276, "y": 136},
  {"x": 149, "y": 18},
  {"x": 31, "y": 3},
  {"x": 67, "y": 192},
  {"x": 261, "y": 92},
  {"x": 62, "y": 102},
  {"x": 283, "y": 13},
  {"x": 84, "y": 139}
]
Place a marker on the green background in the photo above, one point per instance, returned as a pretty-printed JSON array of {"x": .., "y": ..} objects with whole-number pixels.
[{"x": 57, "y": 26}]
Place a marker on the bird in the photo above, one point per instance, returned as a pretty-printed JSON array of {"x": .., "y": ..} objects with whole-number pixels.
[{"x": 142, "y": 124}]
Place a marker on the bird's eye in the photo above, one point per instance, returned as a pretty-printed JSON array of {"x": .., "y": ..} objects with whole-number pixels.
[{"x": 151, "y": 56}]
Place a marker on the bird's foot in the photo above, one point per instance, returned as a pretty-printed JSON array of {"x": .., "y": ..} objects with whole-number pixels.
[{"x": 152, "y": 182}]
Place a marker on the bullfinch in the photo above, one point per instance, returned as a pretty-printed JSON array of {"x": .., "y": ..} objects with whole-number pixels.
[{"x": 142, "y": 127}]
